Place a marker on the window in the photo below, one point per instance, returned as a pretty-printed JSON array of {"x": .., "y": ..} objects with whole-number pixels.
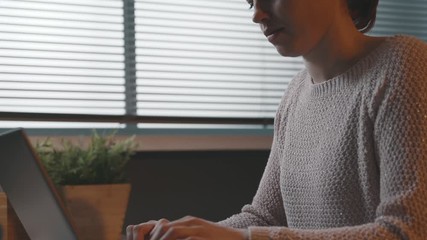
[
  {"x": 205, "y": 58},
  {"x": 402, "y": 17},
  {"x": 115, "y": 63},
  {"x": 61, "y": 57}
]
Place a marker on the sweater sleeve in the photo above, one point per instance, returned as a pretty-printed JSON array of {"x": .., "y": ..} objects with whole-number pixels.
[
  {"x": 266, "y": 208},
  {"x": 400, "y": 135}
]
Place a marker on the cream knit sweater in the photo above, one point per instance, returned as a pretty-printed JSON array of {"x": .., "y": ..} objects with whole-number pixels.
[{"x": 349, "y": 156}]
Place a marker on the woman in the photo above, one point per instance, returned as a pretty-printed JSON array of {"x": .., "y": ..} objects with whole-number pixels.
[{"x": 349, "y": 154}]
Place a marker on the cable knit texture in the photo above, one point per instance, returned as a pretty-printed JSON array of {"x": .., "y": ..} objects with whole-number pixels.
[{"x": 349, "y": 155}]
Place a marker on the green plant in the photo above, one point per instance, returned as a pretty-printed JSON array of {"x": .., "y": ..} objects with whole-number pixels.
[{"x": 103, "y": 161}]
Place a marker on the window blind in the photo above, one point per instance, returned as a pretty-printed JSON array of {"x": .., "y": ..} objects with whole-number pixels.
[
  {"x": 206, "y": 58},
  {"x": 151, "y": 58},
  {"x": 61, "y": 56},
  {"x": 401, "y": 17}
]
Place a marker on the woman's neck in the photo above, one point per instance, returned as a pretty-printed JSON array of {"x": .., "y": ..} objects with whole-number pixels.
[{"x": 337, "y": 52}]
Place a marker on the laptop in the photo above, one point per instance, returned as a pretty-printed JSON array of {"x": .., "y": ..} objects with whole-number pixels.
[{"x": 30, "y": 191}]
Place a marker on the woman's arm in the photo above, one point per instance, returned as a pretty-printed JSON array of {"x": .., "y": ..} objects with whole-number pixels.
[{"x": 266, "y": 208}]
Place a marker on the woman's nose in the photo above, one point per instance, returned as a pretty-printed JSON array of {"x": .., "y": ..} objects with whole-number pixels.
[{"x": 260, "y": 15}]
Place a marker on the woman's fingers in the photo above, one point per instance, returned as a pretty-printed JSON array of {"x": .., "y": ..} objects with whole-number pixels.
[
  {"x": 181, "y": 232},
  {"x": 164, "y": 229},
  {"x": 179, "y": 229},
  {"x": 140, "y": 231},
  {"x": 159, "y": 229},
  {"x": 190, "y": 221},
  {"x": 187, "y": 228},
  {"x": 129, "y": 232}
]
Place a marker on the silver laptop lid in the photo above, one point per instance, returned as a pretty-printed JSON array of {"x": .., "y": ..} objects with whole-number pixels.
[{"x": 30, "y": 191}]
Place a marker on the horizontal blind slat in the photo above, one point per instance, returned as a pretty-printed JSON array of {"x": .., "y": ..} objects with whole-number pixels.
[
  {"x": 59, "y": 8},
  {"x": 40, "y": 22},
  {"x": 59, "y": 95},
  {"x": 79, "y": 64},
  {"x": 18, "y": 77},
  {"x": 11, "y": 12},
  {"x": 61, "y": 110},
  {"x": 210, "y": 84},
  {"x": 204, "y": 99},
  {"x": 212, "y": 77},
  {"x": 61, "y": 103},
  {"x": 99, "y": 57}
]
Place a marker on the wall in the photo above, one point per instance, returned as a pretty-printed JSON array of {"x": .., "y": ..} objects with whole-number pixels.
[{"x": 207, "y": 184}]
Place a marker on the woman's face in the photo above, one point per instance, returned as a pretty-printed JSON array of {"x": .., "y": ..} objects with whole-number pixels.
[{"x": 295, "y": 27}]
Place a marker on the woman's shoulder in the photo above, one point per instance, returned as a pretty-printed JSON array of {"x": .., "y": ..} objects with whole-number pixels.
[
  {"x": 298, "y": 79},
  {"x": 408, "y": 50},
  {"x": 401, "y": 72},
  {"x": 400, "y": 57},
  {"x": 407, "y": 57},
  {"x": 295, "y": 84},
  {"x": 292, "y": 89},
  {"x": 406, "y": 41}
]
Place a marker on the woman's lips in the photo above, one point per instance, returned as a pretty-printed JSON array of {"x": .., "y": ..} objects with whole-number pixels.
[{"x": 271, "y": 36}]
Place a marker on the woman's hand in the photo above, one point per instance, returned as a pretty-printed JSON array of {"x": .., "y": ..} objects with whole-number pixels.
[
  {"x": 142, "y": 231},
  {"x": 188, "y": 228}
]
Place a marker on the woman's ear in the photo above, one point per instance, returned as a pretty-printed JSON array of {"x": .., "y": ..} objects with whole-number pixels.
[{"x": 363, "y": 13}]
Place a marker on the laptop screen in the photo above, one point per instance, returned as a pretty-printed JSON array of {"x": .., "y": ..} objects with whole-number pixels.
[{"x": 30, "y": 191}]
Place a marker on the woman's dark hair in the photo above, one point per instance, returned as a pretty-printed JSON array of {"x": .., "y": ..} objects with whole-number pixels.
[{"x": 363, "y": 13}]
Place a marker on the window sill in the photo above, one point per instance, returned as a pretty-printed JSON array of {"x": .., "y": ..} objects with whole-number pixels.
[{"x": 175, "y": 140}]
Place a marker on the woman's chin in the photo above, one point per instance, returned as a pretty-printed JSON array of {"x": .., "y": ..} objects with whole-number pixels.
[{"x": 286, "y": 51}]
